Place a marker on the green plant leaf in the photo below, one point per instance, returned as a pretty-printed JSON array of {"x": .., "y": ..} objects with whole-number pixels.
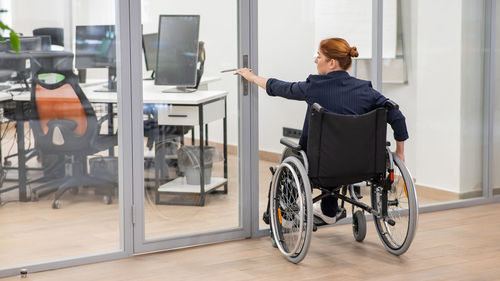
[
  {"x": 3, "y": 11},
  {"x": 14, "y": 41},
  {"x": 3, "y": 26}
]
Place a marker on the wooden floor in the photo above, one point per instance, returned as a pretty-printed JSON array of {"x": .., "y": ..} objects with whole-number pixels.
[
  {"x": 460, "y": 244},
  {"x": 33, "y": 232}
]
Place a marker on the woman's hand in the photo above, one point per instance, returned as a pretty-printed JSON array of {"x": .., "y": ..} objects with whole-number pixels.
[
  {"x": 400, "y": 150},
  {"x": 247, "y": 74}
]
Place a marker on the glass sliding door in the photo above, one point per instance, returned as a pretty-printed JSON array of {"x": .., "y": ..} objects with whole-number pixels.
[
  {"x": 438, "y": 83},
  {"x": 192, "y": 123},
  {"x": 60, "y": 195},
  {"x": 287, "y": 44}
]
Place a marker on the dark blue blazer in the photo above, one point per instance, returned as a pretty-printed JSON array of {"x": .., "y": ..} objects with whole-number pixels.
[{"x": 340, "y": 93}]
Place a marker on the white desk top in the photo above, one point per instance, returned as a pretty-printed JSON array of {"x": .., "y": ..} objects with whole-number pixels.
[
  {"x": 5, "y": 96},
  {"x": 151, "y": 94}
]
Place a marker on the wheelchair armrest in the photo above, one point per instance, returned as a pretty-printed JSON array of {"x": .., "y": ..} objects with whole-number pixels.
[
  {"x": 389, "y": 104},
  {"x": 288, "y": 143}
]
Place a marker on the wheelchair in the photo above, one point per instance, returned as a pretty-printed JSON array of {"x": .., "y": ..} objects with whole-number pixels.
[{"x": 342, "y": 151}]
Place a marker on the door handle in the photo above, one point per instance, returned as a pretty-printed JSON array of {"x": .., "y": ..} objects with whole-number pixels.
[{"x": 245, "y": 81}]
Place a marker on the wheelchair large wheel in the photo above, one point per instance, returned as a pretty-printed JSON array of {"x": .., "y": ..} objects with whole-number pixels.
[
  {"x": 397, "y": 230},
  {"x": 291, "y": 209}
]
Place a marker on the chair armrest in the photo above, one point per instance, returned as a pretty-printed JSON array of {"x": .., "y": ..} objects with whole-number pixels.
[
  {"x": 288, "y": 143},
  {"x": 102, "y": 119}
]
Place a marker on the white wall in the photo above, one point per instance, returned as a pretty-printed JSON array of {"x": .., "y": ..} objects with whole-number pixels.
[
  {"x": 28, "y": 15},
  {"x": 286, "y": 49},
  {"x": 438, "y": 93},
  {"x": 471, "y": 157},
  {"x": 6, "y": 18}
]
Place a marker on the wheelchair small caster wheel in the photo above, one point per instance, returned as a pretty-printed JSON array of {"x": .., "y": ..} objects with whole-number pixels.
[
  {"x": 359, "y": 226},
  {"x": 56, "y": 204},
  {"x": 24, "y": 273},
  {"x": 7, "y": 163},
  {"x": 107, "y": 199},
  {"x": 34, "y": 196}
]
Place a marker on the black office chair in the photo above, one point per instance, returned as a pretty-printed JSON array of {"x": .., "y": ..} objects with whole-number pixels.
[
  {"x": 56, "y": 34},
  {"x": 65, "y": 124}
]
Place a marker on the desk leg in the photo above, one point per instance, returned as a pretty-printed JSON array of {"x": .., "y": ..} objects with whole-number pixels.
[
  {"x": 202, "y": 159},
  {"x": 192, "y": 136},
  {"x": 206, "y": 134},
  {"x": 111, "y": 151},
  {"x": 224, "y": 129},
  {"x": 21, "y": 157}
]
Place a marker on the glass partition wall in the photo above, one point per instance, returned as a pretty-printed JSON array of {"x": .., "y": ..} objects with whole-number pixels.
[
  {"x": 437, "y": 80},
  {"x": 60, "y": 197},
  {"x": 442, "y": 95},
  {"x": 192, "y": 118},
  {"x": 495, "y": 177}
]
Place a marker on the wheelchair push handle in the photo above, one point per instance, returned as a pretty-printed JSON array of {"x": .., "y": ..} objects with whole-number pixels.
[
  {"x": 318, "y": 108},
  {"x": 390, "y": 104}
]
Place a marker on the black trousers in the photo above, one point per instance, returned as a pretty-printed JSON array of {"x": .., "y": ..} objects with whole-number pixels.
[{"x": 329, "y": 204}]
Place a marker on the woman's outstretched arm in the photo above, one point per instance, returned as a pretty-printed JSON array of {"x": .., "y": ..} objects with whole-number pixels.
[{"x": 250, "y": 76}]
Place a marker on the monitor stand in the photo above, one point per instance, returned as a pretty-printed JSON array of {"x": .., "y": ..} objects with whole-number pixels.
[
  {"x": 111, "y": 85},
  {"x": 180, "y": 90},
  {"x": 152, "y": 76}
]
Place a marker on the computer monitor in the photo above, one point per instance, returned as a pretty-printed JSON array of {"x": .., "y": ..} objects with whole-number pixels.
[
  {"x": 23, "y": 64},
  {"x": 25, "y": 44},
  {"x": 46, "y": 42},
  {"x": 96, "y": 48},
  {"x": 150, "y": 48},
  {"x": 177, "y": 58}
]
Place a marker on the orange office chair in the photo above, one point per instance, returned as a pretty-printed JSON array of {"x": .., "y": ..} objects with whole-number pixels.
[{"x": 65, "y": 124}]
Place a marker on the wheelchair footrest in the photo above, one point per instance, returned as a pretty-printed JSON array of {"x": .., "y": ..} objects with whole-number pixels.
[{"x": 341, "y": 214}]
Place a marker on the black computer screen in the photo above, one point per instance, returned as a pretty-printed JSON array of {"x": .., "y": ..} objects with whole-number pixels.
[
  {"x": 150, "y": 47},
  {"x": 95, "y": 46},
  {"x": 46, "y": 42},
  {"x": 177, "y": 50},
  {"x": 25, "y": 44}
]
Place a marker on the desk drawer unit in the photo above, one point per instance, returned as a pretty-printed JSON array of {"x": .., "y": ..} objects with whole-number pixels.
[{"x": 188, "y": 115}]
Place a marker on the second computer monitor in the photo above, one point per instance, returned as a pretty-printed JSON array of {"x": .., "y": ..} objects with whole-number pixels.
[
  {"x": 177, "y": 50},
  {"x": 150, "y": 47},
  {"x": 95, "y": 46}
]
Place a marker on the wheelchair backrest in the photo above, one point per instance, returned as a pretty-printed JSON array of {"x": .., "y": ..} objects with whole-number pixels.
[{"x": 345, "y": 149}]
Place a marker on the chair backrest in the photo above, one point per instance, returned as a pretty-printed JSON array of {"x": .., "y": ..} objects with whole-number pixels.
[
  {"x": 345, "y": 149},
  {"x": 56, "y": 34},
  {"x": 63, "y": 119}
]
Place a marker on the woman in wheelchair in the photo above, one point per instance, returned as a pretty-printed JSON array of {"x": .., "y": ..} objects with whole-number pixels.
[{"x": 342, "y": 144}]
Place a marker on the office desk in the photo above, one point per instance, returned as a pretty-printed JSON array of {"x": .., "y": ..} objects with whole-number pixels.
[
  {"x": 5, "y": 97},
  {"x": 187, "y": 109}
]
